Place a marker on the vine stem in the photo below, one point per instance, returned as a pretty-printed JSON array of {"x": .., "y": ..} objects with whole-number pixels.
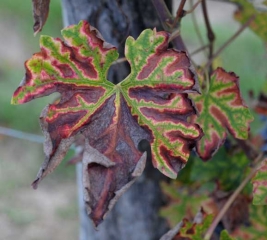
[
  {"x": 180, "y": 11},
  {"x": 229, "y": 202},
  {"x": 210, "y": 33},
  {"x": 169, "y": 24},
  {"x": 196, "y": 27},
  {"x": 199, "y": 50},
  {"x": 193, "y": 7},
  {"x": 230, "y": 40}
]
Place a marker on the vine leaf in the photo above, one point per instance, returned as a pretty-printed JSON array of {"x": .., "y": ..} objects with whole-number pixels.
[
  {"x": 151, "y": 103},
  {"x": 221, "y": 108},
  {"x": 190, "y": 230},
  {"x": 259, "y": 182},
  {"x": 40, "y": 14}
]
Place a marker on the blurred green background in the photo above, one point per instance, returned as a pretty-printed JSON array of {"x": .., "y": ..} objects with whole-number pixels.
[{"x": 51, "y": 212}]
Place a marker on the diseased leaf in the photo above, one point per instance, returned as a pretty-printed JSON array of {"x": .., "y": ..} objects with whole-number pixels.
[
  {"x": 156, "y": 93},
  {"x": 259, "y": 24},
  {"x": 259, "y": 182},
  {"x": 221, "y": 109},
  {"x": 40, "y": 14},
  {"x": 190, "y": 230},
  {"x": 151, "y": 103}
]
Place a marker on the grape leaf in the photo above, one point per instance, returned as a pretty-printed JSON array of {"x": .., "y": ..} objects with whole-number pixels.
[
  {"x": 190, "y": 230},
  {"x": 151, "y": 103},
  {"x": 221, "y": 108},
  {"x": 40, "y": 14},
  {"x": 245, "y": 11},
  {"x": 259, "y": 182}
]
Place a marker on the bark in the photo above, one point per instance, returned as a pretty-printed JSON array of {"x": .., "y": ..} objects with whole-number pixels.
[{"x": 135, "y": 215}]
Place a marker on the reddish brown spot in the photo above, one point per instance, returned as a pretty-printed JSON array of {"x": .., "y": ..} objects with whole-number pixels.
[
  {"x": 175, "y": 116},
  {"x": 191, "y": 230},
  {"x": 66, "y": 70},
  {"x": 210, "y": 147},
  {"x": 150, "y": 66},
  {"x": 225, "y": 77},
  {"x": 217, "y": 113},
  {"x": 87, "y": 68},
  {"x": 176, "y": 163},
  {"x": 105, "y": 188},
  {"x": 161, "y": 94},
  {"x": 64, "y": 123}
]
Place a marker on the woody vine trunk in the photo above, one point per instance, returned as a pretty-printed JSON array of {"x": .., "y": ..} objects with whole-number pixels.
[{"x": 135, "y": 216}]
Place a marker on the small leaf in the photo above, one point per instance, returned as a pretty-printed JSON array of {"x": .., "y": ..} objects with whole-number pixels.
[
  {"x": 225, "y": 236},
  {"x": 181, "y": 202},
  {"x": 40, "y": 14},
  {"x": 245, "y": 11},
  {"x": 190, "y": 230},
  {"x": 259, "y": 182},
  {"x": 221, "y": 109},
  {"x": 151, "y": 103}
]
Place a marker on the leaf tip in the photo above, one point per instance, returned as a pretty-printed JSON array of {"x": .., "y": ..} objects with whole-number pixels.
[
  {"x": 35, "y": 183},
  {"x": 40, "y": 14}
]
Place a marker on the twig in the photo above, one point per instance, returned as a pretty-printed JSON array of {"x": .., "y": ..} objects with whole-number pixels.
[
  {"x": 195, "y": 24},
  {"x": 168, "y": 21},
  {"x": 180, "y": 12},
  {"x": 210, "y": 34},
  {"x": 21, "y": 135},
  {"x": 230, "y": 40},
  {"x": 199, "y": 50},
  {"x": 232, "y": 199},
  {"x": 193, "y": 7},
  {"x": 120, "y": 60}
]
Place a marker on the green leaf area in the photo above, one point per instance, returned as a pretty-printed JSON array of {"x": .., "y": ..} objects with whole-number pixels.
[
  {"x": 247, "y": 10},
  {"x": 221, "y": 109},
  {"x": 226, "y": 170},
  {"x": 151, "y": 103},
  {"x": 182, "y": 202},
  {"x": 259, "y": 182}
]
